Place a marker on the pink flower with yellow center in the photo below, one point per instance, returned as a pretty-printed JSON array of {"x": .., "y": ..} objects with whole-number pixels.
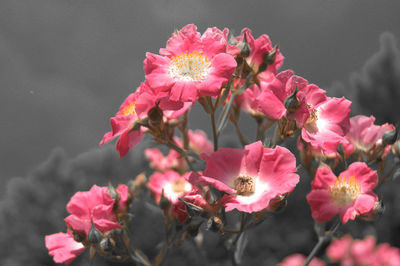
[
  {"x": 63, "y": 247},
  {"x": 364, "y": 136},
  {"x": 191, "y": 65},
  {"x": 253, "y": 176},
  {"x": 349, "y": 195},
  {"x": 171, "y": 183},
  {"x": 136, "y": 107}
]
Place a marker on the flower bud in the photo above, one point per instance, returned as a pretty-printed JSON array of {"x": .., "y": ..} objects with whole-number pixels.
[
  {"x": 390, "y": 137},
  {"x": 376, "y": 212},
  {"x": 111, "y": 190},
  {"x": 292, "y": 102},
  {"x": 244, "y": 47},
  {"x": 94, "y": 235},
  {"x": 268, "y": 59},
  {"x": 155, "y": 115},
  {"x": 396, "y": 148},
  {"x": 193, "y": 210},
  {"x": 214, "y": 224}
]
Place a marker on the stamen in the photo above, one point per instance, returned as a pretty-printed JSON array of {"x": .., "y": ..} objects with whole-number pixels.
[
  {"x": 190, "y": 66},
  {"x": 345, "y": 190},
  {"x": 179, "y": 186},
  {"x": 129, "y": 109},
  {"x": 245, "y": 185}
]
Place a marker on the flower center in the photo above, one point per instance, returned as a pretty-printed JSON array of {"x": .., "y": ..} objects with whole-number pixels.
[
  {"x": 179, "y": 186},
  {"x": 129, "y": 108},
  {"x": 245, "y": 185},
  {"x": 345, "y": 190},
  {"x": 190, "y": 66}
]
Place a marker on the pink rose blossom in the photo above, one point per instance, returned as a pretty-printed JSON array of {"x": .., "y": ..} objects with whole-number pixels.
[
  {"x": 349, "y": 195},
  {"x": 63, "y": 247},
  {"x": 253, "y": 176},
  {"x": 339, "y": 249},
  {"x": 95, "y": 205},
  {"x": 366, "y": 137},
  {"x": 136, "y": 107},
  {"x": 387, "y": 256},
  {"x": 199, "y": 143},
  {"x": 191, "y": 65},
  {"x": 171, "y": 183},
  {"x": 299, "y": 259},
  {"x": 123, "y": 192}
]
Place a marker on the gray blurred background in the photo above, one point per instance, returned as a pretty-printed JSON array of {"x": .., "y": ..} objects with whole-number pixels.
[{"x": 66, "y": 66}]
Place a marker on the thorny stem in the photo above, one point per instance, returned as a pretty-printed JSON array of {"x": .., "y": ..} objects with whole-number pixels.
[{"x": 321, "y": 241}]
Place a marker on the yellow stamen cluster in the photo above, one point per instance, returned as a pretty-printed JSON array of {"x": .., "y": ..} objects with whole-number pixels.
[
  {"x": 345, "y": 190},
  {"x": 190, "y": 66},
  {"x": 129, "y": 109}
]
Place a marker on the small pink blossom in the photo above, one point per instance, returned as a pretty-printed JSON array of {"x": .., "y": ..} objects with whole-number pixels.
[
  {"x": 171, "y": 183},
  {"x": 349, "y": 195},
  {"x": 123, "y": 192},
  {"x": 95, "y": 205},
  {"x": 253, "y": 176},
  {"x": 199, "y": 143},
  {"x": 63, "y": 247},
  {"x": 135, "y": 108},
  {"x": 299, "y": 259},
  {"x": 191, "y": 65},
  {"x": 366, "y": 137},
  {"x": 387, "y": 256}
]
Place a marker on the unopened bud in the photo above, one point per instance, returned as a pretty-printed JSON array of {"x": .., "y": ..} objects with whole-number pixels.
[
  {"x": 292, "y": 102},
  {"x": 78, "y": 237},
  {"x": 106, "y": 245},
  {"x": 376, "y": 212},
  {"x": 390, "y": 137},
  {"x": 164, "y": 204},
  {"x": 214, "y": 224},
  {"x": 155, "y": 115},
  {"x": 268, "y": 59},
  {"x": 244, "y": 47},
  {"x": 112, "y": 191},
  {"x": 193, "y": 210},
  {"x": 94, "y": 235},
  {"x": 396, "y": 148}
]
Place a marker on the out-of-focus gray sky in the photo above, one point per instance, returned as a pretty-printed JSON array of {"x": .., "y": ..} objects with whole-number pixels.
[{"x": 66, "y": 65}]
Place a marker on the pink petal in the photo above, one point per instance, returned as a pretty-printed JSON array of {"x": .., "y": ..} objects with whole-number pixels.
[
  {"x": 324, "y": 178},
  {"x": 63, "y": 247},
  {"x": 367, "y": 177},
  {"x": 322, "y": 207}
]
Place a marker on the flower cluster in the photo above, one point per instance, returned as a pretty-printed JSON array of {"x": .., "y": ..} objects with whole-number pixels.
[
  {"x": 198, "y": 182},
  {"x": 94, "y": 216}
]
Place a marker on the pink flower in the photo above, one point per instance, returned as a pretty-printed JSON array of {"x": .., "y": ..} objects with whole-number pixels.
[
  {"x": 191, "y": 65},
  {"x": 339, "y": 249},
  {"x": 63, "y": 247},
  {"x": 161, "y": 163},
  {"x": 95, "y": 205},
  {"x": 259, "y": 48},
  {"x": 271, "y": 101},
  {"x": 253, "y": 176},
  {"x": 387, "y": 256},
  {"x": 327, "y": 125},
  {"x": 136, "y": 107},
  {"x": 299, "y": 259},
  {"x": 199, "y": 143},
  {"x": 171, "y": 183},
  {"x": 349, "y": 195},
  {"x": 364, "y": 136}
]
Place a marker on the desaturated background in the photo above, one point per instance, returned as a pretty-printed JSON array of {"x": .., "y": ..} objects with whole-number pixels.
[{"x": 67, "y": 65}]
